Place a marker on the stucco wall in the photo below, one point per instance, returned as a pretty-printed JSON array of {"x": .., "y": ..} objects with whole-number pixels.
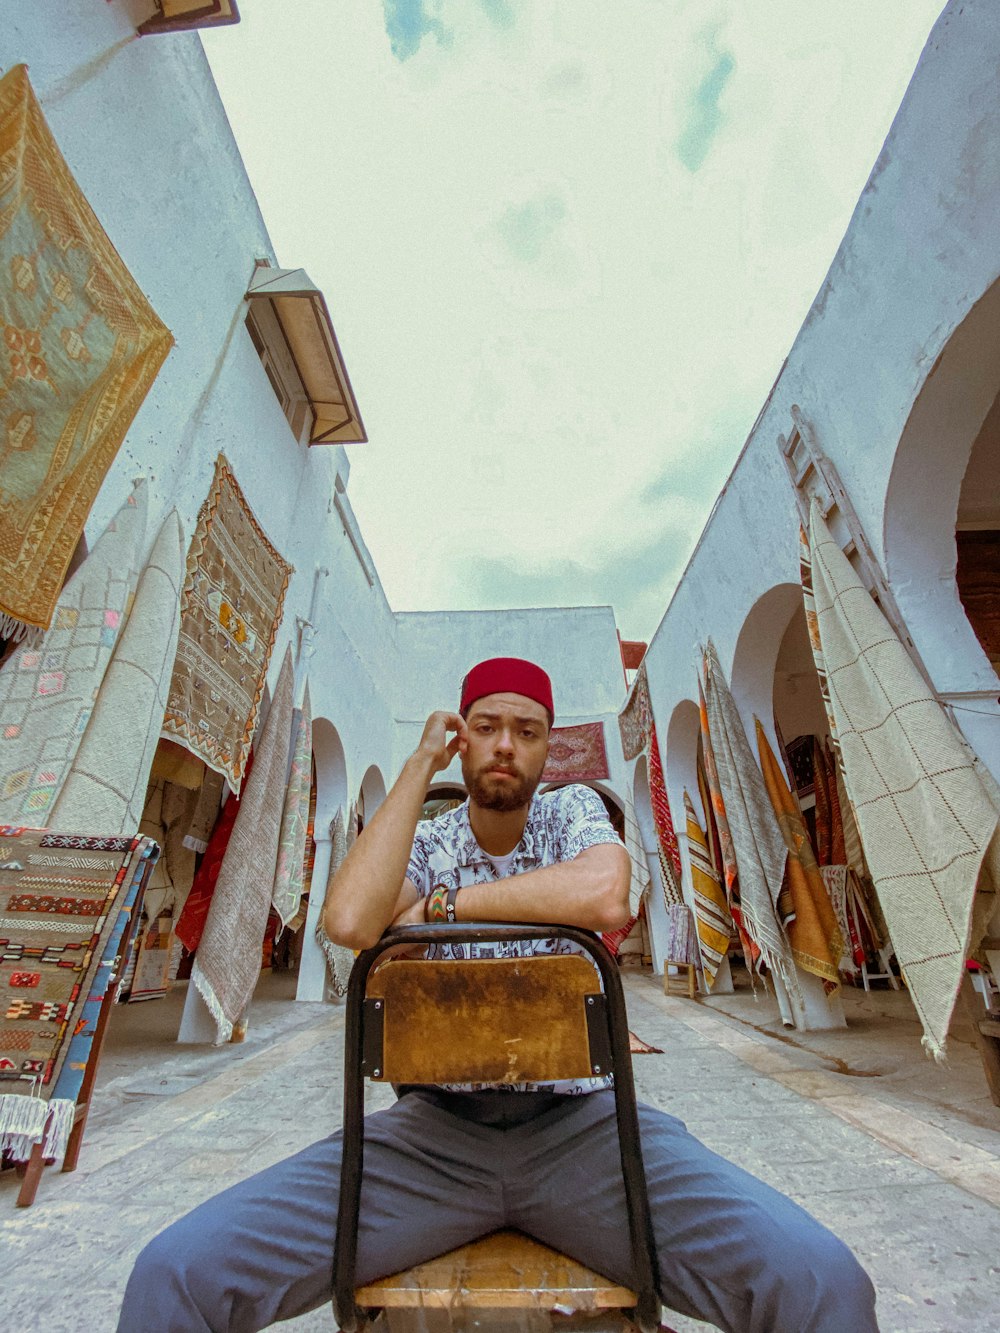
[
  {"x": 578, "y": 646},
  {"x": 144, "y": 131},
  {"x": 918, "y": 259}
]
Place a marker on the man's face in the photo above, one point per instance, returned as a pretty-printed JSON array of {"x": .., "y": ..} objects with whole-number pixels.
[{"x": 508, "y": 742}]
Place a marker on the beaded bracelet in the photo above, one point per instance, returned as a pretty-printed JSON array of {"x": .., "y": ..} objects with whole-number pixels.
[{"x": 436, "y": 906}]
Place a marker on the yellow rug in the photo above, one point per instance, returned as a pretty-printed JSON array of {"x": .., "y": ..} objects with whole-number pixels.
[
  {"x": 813, "y": 932},
  {"x": 79, "y": 347},
  {"x": 711, "y": 909}
]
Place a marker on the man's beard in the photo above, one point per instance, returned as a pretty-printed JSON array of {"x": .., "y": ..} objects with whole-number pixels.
[{"x": 490, "y": 794}]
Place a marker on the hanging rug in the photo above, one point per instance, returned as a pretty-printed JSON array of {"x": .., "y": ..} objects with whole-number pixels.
[
  {"x": 79, "y": 348},
  {"x": 231, "y": 607}
]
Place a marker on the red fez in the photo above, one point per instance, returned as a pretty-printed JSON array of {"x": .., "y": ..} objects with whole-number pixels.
[{"x": 507, "y": 675}]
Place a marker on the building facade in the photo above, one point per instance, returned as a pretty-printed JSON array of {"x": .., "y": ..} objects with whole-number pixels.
[{"x": 894, "y": 378}]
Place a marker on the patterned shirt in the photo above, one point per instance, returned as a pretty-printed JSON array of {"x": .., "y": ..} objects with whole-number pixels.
[{"x": 561, "y": 824}]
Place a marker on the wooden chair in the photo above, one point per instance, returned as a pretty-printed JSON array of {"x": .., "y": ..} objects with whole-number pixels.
[{"x": 523, "y": 1020}]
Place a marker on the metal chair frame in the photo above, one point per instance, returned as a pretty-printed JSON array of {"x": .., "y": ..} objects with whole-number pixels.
[{"x": 613, "y": 1040}]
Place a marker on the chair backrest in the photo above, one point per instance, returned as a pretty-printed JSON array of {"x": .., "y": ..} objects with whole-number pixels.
[
  {"x": 493, "y": 1020},
  {"x": 490, "y": 1020}
]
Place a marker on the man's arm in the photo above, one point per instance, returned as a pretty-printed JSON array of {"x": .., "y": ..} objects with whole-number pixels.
[
  {"x": 590, "y": 891},
  {"x": 371, "y": 888}
]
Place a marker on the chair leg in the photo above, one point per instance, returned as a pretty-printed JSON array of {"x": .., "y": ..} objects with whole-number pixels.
[{"x": 30, "y": 1173}]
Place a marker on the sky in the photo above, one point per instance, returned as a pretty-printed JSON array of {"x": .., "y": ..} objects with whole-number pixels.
[{"x": 566, "y": 246}]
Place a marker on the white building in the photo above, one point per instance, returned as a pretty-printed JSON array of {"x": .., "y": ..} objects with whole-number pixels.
[
  {"x": 894, "y": 377},
  {"x": 894, "y": 373},
  {"x": 142, "y": 128}
]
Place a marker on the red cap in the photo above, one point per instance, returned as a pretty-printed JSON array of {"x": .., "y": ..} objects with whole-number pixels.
[{"x": 507, "y": 675}]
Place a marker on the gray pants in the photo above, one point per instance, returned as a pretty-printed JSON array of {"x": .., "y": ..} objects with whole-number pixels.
[{"x": 732, "y": 1250}]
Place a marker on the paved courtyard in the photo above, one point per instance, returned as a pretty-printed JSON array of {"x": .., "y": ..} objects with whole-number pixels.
[{"x": 899, "y": 1156}]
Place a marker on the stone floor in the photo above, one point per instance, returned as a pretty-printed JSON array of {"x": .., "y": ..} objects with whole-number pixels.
[{"x": 900, "y": 1156}]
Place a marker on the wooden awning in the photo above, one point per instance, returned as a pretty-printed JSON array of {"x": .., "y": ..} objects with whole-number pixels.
[
  {"x": 304, "y": 320},
  {"x": 177, "y": 15}
]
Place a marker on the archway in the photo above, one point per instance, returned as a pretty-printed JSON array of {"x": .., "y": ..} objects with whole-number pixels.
[
  {"x": 945, "y": 477},
  {"x": 442, "y": 797},
  {"x": 371, "y": 795},
  {"x": 331, "y": 772},
  {"x": 756, "y": 654},
  {"x": 680, "y": 760},
  {"x": 331, "y": 796},
  {"x": 613, "y": 803},
  {"x": 798, "y": 711}
]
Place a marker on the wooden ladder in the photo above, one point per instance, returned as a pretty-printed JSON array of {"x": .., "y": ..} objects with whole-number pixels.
[{"x": 814, "y": 476}]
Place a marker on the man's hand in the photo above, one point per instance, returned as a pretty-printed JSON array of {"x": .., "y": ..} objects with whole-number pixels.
[
  {"x": 434, "y": 743},
  {"x": 411, "y": 916},
  {"x": 370, "y": 889}
]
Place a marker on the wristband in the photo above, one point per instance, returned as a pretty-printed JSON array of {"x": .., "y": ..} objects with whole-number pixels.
[
  {"x": 450, "y": 905},
  {"x": 436, "y": 909}
]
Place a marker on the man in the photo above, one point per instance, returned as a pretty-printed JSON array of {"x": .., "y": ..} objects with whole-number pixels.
[{"x": 444, "y": 1166}]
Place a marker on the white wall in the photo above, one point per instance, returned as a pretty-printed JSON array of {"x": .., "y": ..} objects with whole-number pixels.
[
  {"x": 908, "y": 293},
  {"x": 577, "y": 646},
  {"x": 144, "y": 131},
  {"x": 918, "y": 258}
]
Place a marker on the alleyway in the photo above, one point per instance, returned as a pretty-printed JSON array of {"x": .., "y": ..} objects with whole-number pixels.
[{"x": 897, "y": 1155}]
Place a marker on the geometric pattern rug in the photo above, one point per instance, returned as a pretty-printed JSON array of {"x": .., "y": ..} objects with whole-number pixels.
[
  {"x": 81, "y": 1044},
  {"x": 60, "y": 900},
  {"x": 231, "y": 607},
  {"x": 927, "y": 820},
  {"x": 47, "y": 690}
]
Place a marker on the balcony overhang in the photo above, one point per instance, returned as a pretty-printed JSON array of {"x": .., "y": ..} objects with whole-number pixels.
[
  {"x": 304, "y": 320},
  {"x": 179, "y": 15}
]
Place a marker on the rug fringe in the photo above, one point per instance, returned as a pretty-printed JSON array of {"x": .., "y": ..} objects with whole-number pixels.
[
  {"x": 934, "y": 1050},
  {"x": 62, "y": 1117},
  {"x": 337, "y": 958},
  {"x": 224, "y": 1028},
  {"x": 24, "y": 1121},
  {"x": 18, "y": 632}
]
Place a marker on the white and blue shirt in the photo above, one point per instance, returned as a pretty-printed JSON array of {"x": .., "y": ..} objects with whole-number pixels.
[{"x": 561, "y": 824}]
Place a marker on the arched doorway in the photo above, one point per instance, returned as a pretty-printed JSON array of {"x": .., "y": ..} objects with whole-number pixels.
[
  {"x": 442, "y": 797},
  {"x": 331, "y": 772},
  {"x": 945, "y": 480},
  {"x": 331, "y": 796},
  {"x": 774, "y": 681},
  {"x": 681, "y": 759},
  {"x": 371, "y": 795},
  {"x": 756, "y": 655}
]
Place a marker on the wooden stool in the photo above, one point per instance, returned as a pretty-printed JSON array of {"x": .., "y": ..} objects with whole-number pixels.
[{"x": 689, "y": 984}]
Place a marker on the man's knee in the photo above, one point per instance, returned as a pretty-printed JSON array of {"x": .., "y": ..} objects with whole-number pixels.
[
  {"x": 820, "y": 1287},
  {"x": 166, "y": 1290}
]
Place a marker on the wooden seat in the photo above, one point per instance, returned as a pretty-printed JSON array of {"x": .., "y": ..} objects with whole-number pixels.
[
  {"x": 504, "y": 1271},
  {"x": 497, "y": 1021}
]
